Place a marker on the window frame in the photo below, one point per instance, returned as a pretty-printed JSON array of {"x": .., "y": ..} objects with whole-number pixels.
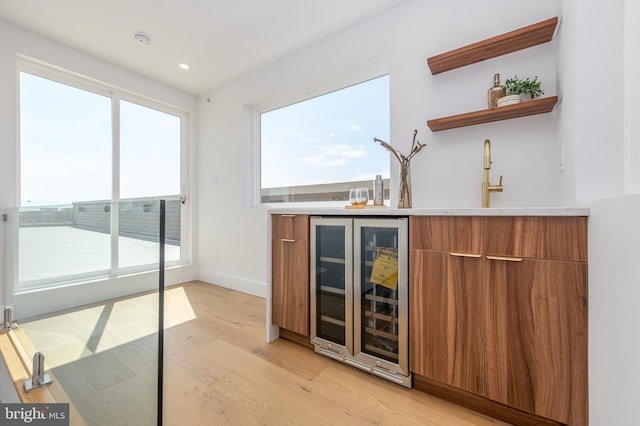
[
  {"x": 116, "y": 95},
  {"x": 361, "y": 73}
]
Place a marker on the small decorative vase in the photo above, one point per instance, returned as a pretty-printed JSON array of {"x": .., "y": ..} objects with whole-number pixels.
[{"x": 404, "y": 194}]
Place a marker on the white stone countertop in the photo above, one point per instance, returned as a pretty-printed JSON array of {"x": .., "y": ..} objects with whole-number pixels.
[{"x": 388, "y": 211}]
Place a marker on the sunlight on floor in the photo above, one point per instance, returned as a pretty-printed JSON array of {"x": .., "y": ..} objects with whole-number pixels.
[{"x": 73, "y": 335}]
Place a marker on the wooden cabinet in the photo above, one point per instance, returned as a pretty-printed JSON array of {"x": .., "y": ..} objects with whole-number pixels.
[
  {"x": 502, "y": 313},
  {"x": 445, "y": 301},
  {"x": 446, "y": 317},
  {"x": 536, "y": 337},
  {"x": 290, "y": 272}
]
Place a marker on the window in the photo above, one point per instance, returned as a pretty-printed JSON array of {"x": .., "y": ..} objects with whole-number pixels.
[
  {"x": 92, "y": 159},
  {"x": 65, "y": 143},
  {"x": 319, "y": 148}
]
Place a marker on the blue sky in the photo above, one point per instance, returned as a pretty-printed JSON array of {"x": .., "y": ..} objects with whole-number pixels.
[
  {"x": 66, "y": 146},
  {"x": 66, "y": 142},
  {"x": 328, "y": 138}
]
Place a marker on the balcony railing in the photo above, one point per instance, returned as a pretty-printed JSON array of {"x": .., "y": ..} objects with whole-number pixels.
[
  {"x": 137, "y": 217},
  {"x": 322, "y": 192}
]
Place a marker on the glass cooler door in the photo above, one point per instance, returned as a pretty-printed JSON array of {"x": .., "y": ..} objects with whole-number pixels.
[
  {"x": 331, "y": 284},
  {"x": 380, "y": 293}
]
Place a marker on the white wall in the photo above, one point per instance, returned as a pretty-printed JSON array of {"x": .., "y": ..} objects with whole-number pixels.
[
  {"x": 632, "y": 93},
  {"x": 599, "y": 99},
  {"x": 13, "y": 41},
  {"x": 566, "y": 111},
  {"x": 608, "y": 140},
  {"x": 614, "y": 311},
  {"x": 448, "y": 173}
]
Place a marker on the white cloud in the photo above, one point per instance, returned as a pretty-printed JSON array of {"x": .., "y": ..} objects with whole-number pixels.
[
  {"x": 355, "y": 127},
  {"x": 333, "y": 155}
]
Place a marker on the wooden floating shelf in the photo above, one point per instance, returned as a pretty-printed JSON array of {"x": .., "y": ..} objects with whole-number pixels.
[
  {"x": 522, "y": 38},
  {"x": 535, "y": 106}
]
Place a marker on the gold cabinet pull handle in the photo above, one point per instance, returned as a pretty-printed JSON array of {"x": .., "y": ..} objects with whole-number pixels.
[
  {"x": 508, "y": 259},
  {"x": 288, "y": 215},
  {"x": 465, "y": 255},
  {"x": 287, "y": 240}
]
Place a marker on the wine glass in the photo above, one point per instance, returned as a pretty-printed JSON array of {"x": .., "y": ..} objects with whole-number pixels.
[
  {"x": 362, "y": 195},
  {"x": 352, "y": 196}
]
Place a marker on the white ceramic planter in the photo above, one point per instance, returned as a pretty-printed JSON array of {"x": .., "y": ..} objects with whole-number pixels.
[{"x": 509, "y": 100}]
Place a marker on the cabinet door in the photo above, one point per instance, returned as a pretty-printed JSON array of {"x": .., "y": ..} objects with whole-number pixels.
[
  {"x": 446, "y": 318},
  {"x": 536, "y": 334},
  {"x": 290, "y": 284},
  {"x": 541, "y": 237}
]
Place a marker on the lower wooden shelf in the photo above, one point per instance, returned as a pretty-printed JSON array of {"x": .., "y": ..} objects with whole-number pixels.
[{"x": 535, "y": 106}]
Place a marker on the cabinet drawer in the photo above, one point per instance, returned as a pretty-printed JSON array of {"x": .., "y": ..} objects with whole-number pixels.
[
  {"x": 540, "y": 237},
  {"x": 446, "y": 233},
  {"x": 292, "y": 226}
]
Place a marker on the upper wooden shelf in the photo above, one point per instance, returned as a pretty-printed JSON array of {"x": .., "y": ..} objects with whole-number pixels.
[
  {"x": 529, "y": 36},
  {"x": 535, "y": 106}
]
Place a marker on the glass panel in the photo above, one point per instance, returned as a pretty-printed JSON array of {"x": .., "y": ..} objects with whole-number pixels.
[
  {"x": 317, "y": 149},
  {"x": 379, "y": 292},
  {"x": 10, "y": 218},
  {"x": 138, "y": 235},
  {"x": 103, "y": 357},
  {"x": 330, "y": 283},
  {"x": 150, "y": 168},
  {"x": 65, "y": 143},
  {"x": 67, "y": 241}
]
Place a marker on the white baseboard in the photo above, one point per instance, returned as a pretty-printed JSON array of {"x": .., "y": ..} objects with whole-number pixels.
[
  {"x": 255, "y": 288},
  {"x": 37, "y": 302},
  {"x": 34, "y": 303},
  {"x": 180, "y": 275}
]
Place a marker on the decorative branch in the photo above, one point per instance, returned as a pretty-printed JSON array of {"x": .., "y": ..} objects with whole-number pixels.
[
  {"x": 416, "y": 146},
  {"x": 389, "y": 148},
  {"x": 404, "y": 195}
]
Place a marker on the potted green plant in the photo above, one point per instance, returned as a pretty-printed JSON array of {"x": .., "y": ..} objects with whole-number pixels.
[{"x": 527, "y": 89}]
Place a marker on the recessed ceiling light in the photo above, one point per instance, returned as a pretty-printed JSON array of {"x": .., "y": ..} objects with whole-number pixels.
[
  {"x": 184, "y": 66},
  {"x": 142, "y": 38}
]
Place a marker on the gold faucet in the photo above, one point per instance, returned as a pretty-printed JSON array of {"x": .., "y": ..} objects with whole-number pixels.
[{"x": 487, "y": 188}]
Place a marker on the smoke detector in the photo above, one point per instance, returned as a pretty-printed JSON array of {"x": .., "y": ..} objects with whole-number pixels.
[{"x": 142, "y": 38}]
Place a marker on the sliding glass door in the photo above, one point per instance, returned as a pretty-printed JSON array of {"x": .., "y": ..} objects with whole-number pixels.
[{"x": 84, "y": 147}]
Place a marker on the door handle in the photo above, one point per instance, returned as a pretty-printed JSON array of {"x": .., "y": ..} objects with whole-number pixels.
[
  {"x": 465, "y": 255},
  {"x": 287, "y": 240},
  {"x": 508, "y": 259}
]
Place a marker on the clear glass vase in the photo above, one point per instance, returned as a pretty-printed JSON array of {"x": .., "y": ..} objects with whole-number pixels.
[{"x": 404, "y": 193}]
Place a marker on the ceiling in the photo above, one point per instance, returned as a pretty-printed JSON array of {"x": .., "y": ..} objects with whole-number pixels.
[{"x": 220, "y": 40}]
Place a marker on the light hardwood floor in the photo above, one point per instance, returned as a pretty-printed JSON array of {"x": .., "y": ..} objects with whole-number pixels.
[{"x": 218, "y": 369}]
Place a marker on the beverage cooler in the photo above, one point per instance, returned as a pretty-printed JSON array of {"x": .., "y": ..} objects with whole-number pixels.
[{"x": 359, "y": 293}]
